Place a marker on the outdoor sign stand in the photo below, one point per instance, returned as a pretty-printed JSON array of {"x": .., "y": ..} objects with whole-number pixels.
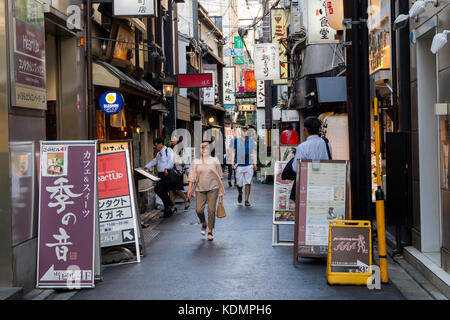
[
  {"x": 68, "y": 250},
  {"x": 349, "y": 252},
  {"x": 117, "y": 203},
  {"x": 283, "y": 207},
  {"x": 321, "y": 197}
]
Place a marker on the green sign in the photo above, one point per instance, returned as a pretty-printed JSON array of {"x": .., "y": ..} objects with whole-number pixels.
[
  {"x": 238, "y": 43},
  {"x": 239, "y": 60}
]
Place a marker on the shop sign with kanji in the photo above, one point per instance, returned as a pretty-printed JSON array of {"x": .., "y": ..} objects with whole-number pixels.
[
  {"x": 319, "y": 30},
  {"x": 67, "y": 213}
]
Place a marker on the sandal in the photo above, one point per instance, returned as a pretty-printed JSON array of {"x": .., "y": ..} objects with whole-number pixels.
[
  {"x": 210, "y": 236},
  {"x": 203, "y": 231}
]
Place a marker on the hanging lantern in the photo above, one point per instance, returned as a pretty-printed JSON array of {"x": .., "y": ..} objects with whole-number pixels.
[{"x": 335, "y": 13}]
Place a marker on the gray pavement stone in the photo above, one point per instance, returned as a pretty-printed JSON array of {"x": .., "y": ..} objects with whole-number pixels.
[{"x": 239, "y": 264}]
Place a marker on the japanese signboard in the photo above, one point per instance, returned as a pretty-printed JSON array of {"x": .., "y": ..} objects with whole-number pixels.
[
  {"x": 116, "y": 145},
  {"x": 283, "y": 206},
  {"x": 319, "y": 31},
  {"x": 321, "y": 197},
  {"x": 279, "y": 22},
  {"x": 236, "y": 52},
  {"x": 349, "y": 252},
  {"x": 209, "y": 93},
  {"x": 67, "y": 214},
  {"x": 267, "y": 61},
  {"x": 246, "y": 107},
  {"x": 229, "y": 85},
  {"x": 250, "y": 83},
  {"x": 29, "y": 85},
  {"x": 260, "y": 94},
  {"x": 239, "y": 44},
  {"x": 379, "y": 36},
  {"x": 132, "y": 8},
  {"x": 116, "y": 201},
  {"x": 201, "y": 80}
]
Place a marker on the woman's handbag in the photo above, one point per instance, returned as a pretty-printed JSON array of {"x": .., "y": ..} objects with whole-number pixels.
[{"x": 221, "y": 210}]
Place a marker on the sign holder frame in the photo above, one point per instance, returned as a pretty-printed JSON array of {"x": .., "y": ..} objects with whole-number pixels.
[
  {"x": 296, "y": 254},
  {"x": 96, "y": 263},
  {"x": 354, "y": 278},
  {"x": 276, "y": 224},
  {"x": 136, "y": 222}
]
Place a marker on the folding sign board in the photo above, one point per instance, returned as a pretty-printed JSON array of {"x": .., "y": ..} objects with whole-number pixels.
[
  {"x": 116, "y": 201},
  {"x": 349, "y": 252},
  {"x": 322, "y": 196},
  {"x": 67, "y": 214}
]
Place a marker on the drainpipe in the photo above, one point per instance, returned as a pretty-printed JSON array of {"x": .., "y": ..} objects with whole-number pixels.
[{"x": 92, "y": 132}]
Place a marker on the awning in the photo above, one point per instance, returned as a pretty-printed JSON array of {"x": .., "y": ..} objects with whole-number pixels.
[
  {"x": 160, "y": 107},
  {"x": 331, "y": 89},
  {"x": 107, "y": 75}
]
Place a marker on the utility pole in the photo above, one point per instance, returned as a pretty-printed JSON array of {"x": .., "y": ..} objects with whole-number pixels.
[
  {"x": 169, "y": 65},
  {"x": 92, "y": 132}
]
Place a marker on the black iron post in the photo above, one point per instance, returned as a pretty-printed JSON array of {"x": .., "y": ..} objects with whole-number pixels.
[{"x": 92, "y": 132}]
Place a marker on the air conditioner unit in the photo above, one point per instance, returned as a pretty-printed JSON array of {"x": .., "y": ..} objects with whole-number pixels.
[{"x": 296, "y": 23}]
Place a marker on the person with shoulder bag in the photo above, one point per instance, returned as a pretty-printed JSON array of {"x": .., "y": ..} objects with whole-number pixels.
[
  {"x": 313, "y": 148},
  {"x": 205, "y": 183}
]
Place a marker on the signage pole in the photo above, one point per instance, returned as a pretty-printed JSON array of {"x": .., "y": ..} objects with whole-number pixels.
[
  {"x": 90, "y": 89},
  {"x": 381, "y": 231}
]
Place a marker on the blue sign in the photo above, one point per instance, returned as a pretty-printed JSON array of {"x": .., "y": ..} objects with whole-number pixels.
[
  {"x": 236, "y": 52},
  {"x": 229, "y": 106},
  {"x": 111, "y": 102}
]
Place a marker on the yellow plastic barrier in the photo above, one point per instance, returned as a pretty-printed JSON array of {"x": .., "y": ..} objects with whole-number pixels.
[{"x": 349, "y": 252}]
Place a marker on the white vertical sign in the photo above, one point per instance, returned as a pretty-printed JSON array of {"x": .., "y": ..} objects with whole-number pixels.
[
  {"x": 267, "y": 61},
  {"x": 260, "y": 94},
  {"x": 132, "y": 8},
  {"x": 319, "y": 31},
  {"x": 210, "y": 92},
  {"x": 229, "y": 86}
]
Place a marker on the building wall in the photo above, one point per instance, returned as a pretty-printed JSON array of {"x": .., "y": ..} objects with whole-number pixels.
[{"x": 431, "y": 209}]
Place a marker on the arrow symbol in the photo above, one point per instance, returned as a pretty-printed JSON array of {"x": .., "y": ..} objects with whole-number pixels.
[{"x": 127, "y": 235}]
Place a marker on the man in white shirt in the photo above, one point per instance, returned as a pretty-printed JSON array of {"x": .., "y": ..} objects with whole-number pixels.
[
  {"x": 164, "y": 163},
  {"x": 313, "y": 148}
]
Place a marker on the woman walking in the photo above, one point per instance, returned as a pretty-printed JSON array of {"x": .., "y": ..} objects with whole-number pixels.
[{"x": 205, "y": 182}]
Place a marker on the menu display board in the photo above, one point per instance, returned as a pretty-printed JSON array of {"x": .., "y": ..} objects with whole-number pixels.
[
  {"x": 283, "y": 206},
  {"x": 321, "y": 197},
  {"x": 349, "y": 252}
]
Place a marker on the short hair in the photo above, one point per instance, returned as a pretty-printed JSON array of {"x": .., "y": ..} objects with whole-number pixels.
[
  {"x": 208, "y": 141},
  {"x": 312, "y": 124},
  {"x": 158, "y": 141}
]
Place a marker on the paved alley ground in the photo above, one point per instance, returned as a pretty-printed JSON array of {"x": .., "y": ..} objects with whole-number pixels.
[{"x": 239, "y": 264}]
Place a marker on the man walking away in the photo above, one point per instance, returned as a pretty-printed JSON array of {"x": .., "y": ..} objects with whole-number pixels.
[
  {"x": 164, "y": 163},
  {"x": 244, "y": 162}
]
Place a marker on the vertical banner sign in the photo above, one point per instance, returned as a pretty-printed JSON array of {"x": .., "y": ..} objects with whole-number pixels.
[
  {"x": 250, "y": 83},
  {"x": 116, "y": 201},
  {"x": 29, "y": 85},
  {"x": 279, "y": 22},
  {"x": 229, "y": 86},
  {"x": 319, "y": 31},
  {"x": 322, "y": 197},
  {"x": 238, "y": 44},
  {"x": 134, "y": 8},
  {"x": 267, "y": 61},
  {"x": 67, "y": 213},
  {"x": 260, "y": 94},
  {"x": 210, "y": 92}
]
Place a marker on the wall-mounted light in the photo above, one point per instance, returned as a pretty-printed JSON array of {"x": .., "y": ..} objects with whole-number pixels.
[
  {"x": 138, "y": 130},
  {"x": 104, "y": 47},
  {"x": 211, "y": 119},
  {"x": 168, "y": 90},
  {"x": 439, "y": 40},
  {"x": 417, "y": 8}
]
